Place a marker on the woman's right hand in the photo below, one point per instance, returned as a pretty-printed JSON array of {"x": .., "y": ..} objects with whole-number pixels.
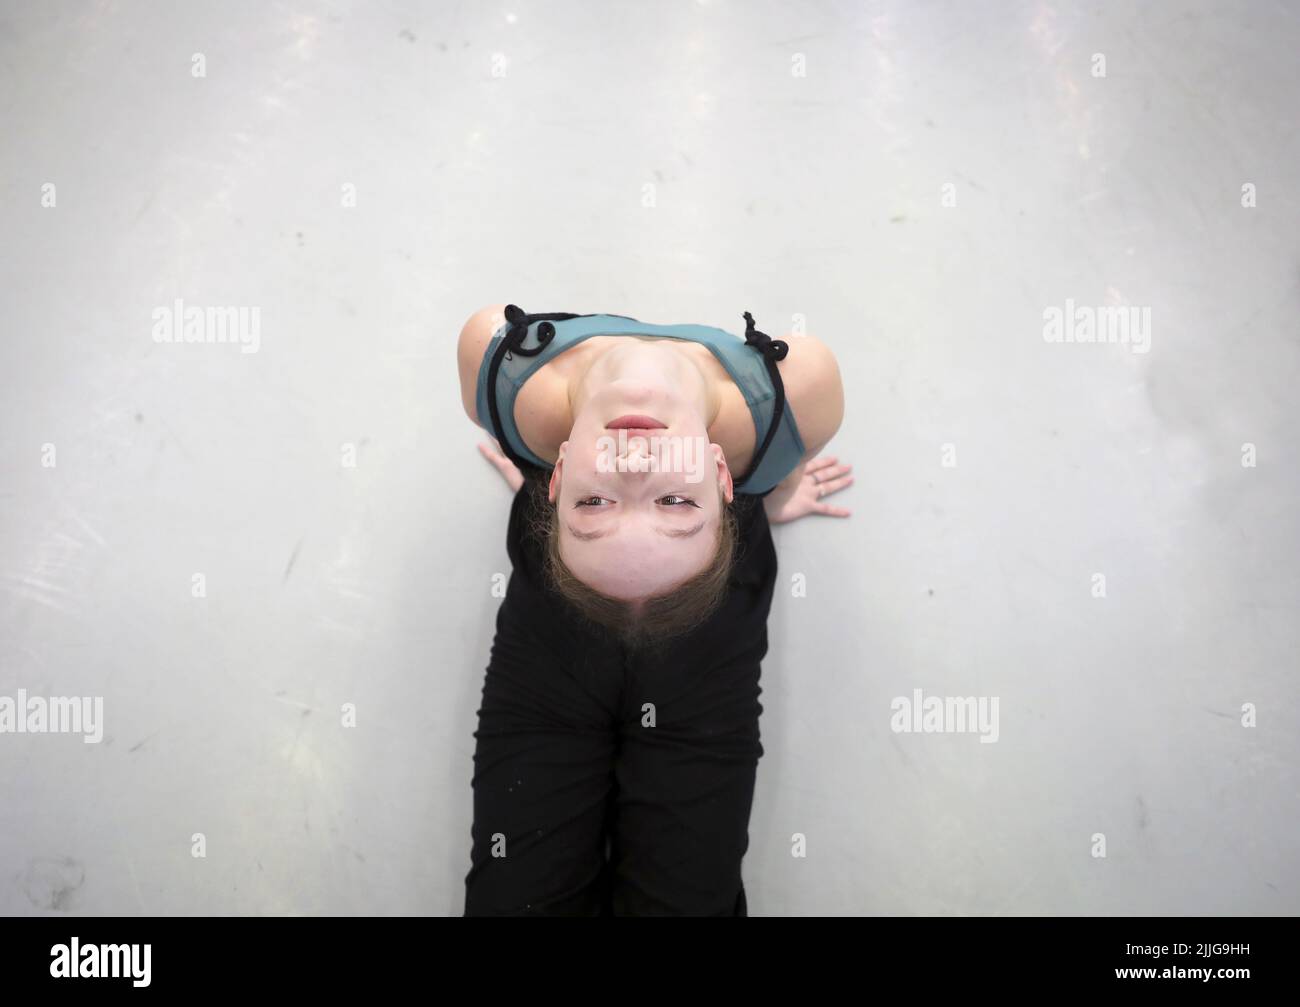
[{"x": 491, "y": 450}]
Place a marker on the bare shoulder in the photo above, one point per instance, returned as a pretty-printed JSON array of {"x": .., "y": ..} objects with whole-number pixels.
[
  {"x": 473, "y": 343},
  {"x": 813, "y": 389}
]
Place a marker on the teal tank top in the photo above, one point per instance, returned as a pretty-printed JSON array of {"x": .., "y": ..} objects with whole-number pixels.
[{"x": 526, "y": 342}]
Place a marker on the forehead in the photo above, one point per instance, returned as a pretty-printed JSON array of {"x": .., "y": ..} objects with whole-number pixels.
[{"x": 637, "y": 557}]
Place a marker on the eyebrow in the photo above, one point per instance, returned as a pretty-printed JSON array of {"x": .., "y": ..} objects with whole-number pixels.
[{"x": 587, "y": 536}]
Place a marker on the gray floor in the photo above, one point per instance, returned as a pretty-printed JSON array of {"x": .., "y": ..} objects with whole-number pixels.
[{"x": 675, "y": 162}]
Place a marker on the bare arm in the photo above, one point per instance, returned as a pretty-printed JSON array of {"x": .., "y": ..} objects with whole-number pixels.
[
  {"x": 473, "y": 343},
  {"x": 815, "y": 392}
]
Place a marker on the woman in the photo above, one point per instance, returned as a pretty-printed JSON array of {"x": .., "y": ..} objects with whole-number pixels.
[{"x": 618, "y": 734}]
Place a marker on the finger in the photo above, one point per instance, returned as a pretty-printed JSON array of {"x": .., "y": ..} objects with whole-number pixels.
[
  {"x": 835, "y": 485},
  {"x": 503, "y": 465},
  {"x": 830, "y": 511},
  {"x": 833, "y": 472},
  {"x": 493, "y": 454},
  {"x": 819, "y": 463}
]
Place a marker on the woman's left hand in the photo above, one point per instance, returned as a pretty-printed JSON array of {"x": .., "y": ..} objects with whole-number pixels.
[
  {"x": 491, "y": 450},
  {"x": 820, "y": 478}
]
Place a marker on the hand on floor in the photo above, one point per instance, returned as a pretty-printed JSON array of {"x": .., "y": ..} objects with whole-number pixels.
[
  {"x": 508, "y": 469},
  {"x": 821, "y": 477}
]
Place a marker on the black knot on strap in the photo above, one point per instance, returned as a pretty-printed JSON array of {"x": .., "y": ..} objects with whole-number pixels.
[
  {"x": 773, "y": 349},
  {"x": 518, "y": 322}
]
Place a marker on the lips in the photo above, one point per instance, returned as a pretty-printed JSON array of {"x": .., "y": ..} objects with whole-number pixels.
[{"x": 634, "y": 421}]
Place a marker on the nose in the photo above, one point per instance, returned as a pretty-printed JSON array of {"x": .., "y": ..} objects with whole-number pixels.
[{"x": 636, "y": 454}]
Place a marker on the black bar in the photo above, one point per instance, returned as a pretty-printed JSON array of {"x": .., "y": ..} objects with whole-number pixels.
[{"x": 914, "y": 957}]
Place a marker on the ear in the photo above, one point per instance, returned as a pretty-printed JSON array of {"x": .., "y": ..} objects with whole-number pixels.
[
  {"x": 724, "y": 474},
  {"x": 553, "y": 490}
]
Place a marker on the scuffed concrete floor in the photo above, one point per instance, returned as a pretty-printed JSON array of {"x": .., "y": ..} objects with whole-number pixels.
[{"x": 666, "y": 161}]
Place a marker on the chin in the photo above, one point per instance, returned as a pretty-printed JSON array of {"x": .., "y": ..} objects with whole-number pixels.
[{"x": 635, "y": 393}]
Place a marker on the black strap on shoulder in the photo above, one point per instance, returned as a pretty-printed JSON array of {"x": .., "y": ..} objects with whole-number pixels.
[
  {"x": 772, "y": 350},
  {"x": 511, "y": 343}
]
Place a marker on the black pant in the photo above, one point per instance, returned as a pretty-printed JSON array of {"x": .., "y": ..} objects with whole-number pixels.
[{"x": 580, "y": 807}]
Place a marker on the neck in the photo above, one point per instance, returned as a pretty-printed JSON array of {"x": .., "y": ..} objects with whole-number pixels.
[{"x": 658, "y": 362}]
